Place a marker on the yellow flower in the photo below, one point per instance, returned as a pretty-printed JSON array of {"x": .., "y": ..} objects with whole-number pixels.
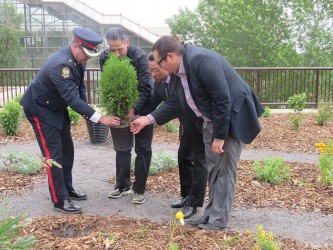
[
  {"x": 256, "y": 247},
  {"x": 180, "y": 217},
  {"x": 259, "y": 227},
  {"x": 320, "y": 145},
  {"x": 270, "y": 235},
  {"x": 262, "y": 234}
]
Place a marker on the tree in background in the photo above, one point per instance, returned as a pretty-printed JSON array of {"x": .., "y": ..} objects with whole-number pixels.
[
  {"x": 312, "y": 22},
  {"x": 10, "y": 34},
  {"x": 258, "y": 33}
]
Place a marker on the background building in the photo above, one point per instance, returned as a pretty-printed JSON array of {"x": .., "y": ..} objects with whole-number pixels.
[{"x": 48, "y": 25}]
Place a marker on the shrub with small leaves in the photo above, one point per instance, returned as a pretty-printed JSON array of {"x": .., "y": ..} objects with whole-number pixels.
[
  {"x": 324, "y": 113},
  {"x": 73, "y": 116},
  {"x": 171, "y": 127},
  {"x": 160, "y": 162},
  {"x": 10, "y": 117},
  {"x": 297, "y": 103},
  {"x": 272, "y": 170},
  {"x": 20, "y": 162},
  {"x": 267, "y": 112}
]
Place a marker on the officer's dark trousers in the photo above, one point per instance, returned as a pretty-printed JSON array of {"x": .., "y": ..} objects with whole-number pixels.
[
  {"x": 143, "y": 150},
  {"x": 192, "y": 170},
  {"x": 57, "y": 145}
]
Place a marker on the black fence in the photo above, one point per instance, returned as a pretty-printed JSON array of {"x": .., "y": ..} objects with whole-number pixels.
[{"x": 273, "y": 86}]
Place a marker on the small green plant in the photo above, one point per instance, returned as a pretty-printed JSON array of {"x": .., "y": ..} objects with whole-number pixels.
[
  {"x": 118, "y": 86},
  {"x": 297, "y": 102},
  {"x": 10, "y": 117},
  {"x": 10, "y": 227},
  {"x": 326, "y": 162},
  {"x": 73, "y": 116},
  {"x": 267, "y": 112},
  {"x": 324, "y": 113},
  {"x": 272, "y": 170},
  {"x": 109, "y": 239},
  {"x": 171, "y": 127},
  {"x": 143, "y": 230},
  {"x": 265, "y": 241},
  {"x": 229, "y": 242},
  {"x": 20, "y": 162},
  {"x": 160, "y": 162},
  {"x": 296, "y": 120},
  {"x": 173, "y": 227}
]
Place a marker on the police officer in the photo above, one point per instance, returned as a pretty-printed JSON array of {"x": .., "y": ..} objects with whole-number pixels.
[{"x": 59, "y": 84}]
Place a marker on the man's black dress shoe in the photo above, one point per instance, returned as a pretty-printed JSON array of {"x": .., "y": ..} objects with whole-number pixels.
[
  {"x": 179, "y": 204},
  {"x": 195, "y": 223},
  {"x": 66, "y": 207},
  {"x": 188, "y": 211},
  {"x": 77, "y": 196},
  {"x": 209, "y": 226}
]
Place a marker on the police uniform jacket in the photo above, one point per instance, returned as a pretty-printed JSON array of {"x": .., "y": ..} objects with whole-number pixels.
[
  {"x": 139, "y": 61},
  {"x": 58, "y": 84}
]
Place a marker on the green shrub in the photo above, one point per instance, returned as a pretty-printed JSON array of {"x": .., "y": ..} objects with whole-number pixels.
[
  {"x": 10, "y": 227},
  {"x": 171, "y": 127},
  {"x": 73, "y": 116},
  {"x": 10, "y": 117},
  {"x": 267, "y": 112},
  {"x": 118, "y": 86},
  {"x": 160, "y": 162},
  {"x": 272, "y": 170},
  {"x": 324, "y": 113},
  {"x": 296, "y": 121},
  {"x": 20, "y": 162},
  {"x": 297, "y": 103},
  {"x": 18, "y": 97}
]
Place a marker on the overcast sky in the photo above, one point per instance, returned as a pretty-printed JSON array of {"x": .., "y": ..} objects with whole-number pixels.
[{"x": 143, "y": 12}]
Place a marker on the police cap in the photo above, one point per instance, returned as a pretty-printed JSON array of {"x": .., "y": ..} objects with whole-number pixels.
[{"x": 88, "y": 40}]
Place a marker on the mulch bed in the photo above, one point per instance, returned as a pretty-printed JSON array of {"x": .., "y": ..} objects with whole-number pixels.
[{"x": 302, "y": 192}]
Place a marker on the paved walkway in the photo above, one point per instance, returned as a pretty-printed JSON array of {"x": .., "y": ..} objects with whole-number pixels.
[{"x": 94, "y": 164}]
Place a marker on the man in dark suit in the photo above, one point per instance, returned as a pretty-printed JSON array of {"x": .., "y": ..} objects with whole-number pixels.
[
  {"x": 59, "y": 84},
  {"x": 119, "y": 44},
  {"x": 191, "y": 152},
  {"x": 229, "y": 110}
]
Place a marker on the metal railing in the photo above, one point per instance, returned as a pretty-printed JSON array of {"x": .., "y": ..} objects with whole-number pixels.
[{"x": 273, "y": 86}]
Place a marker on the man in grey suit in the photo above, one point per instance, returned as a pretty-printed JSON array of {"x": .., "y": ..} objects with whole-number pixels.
[{"x": 229, "y": 110}]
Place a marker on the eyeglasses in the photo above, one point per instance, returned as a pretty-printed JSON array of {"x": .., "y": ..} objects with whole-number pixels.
[
  {"x": 162, "y": 59},
  {"x": 154, "y": 70}
]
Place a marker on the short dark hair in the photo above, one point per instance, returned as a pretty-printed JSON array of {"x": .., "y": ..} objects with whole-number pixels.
[
  {"x": 151, "y": 57},
  {"x": 116, "y": 33},
  {"x": 167, "y": 44}
]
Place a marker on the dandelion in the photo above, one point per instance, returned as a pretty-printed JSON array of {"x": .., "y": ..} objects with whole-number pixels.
[
  {"x": 270, "y": 235},
  {"x": 259, "y": 227},
  {"x": 263, "y": 234},
  {"x": 180, "y": 217}
]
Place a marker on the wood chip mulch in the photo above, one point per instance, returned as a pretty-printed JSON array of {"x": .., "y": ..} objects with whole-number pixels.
[{"x": 302, "y": 192}]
